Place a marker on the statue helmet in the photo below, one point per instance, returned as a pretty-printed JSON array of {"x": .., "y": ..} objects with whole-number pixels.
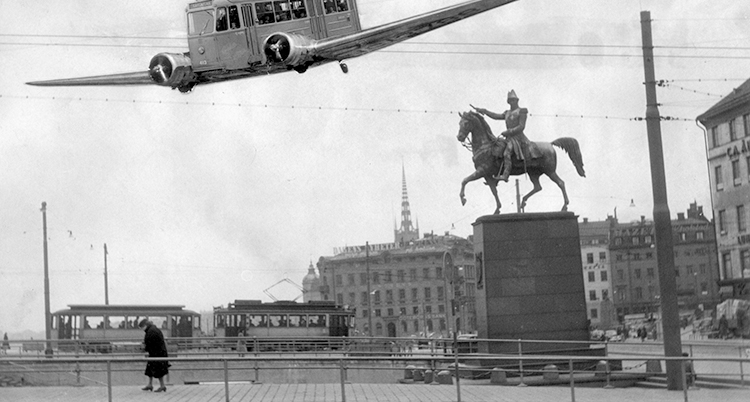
[{"x": 512, "y": 95}]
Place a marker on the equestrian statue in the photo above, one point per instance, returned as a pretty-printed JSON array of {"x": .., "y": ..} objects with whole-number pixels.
[{"x": 497, "y": 158}]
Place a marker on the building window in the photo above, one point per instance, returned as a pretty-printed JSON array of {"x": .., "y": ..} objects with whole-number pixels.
[
  {"x": 699, "y": 235},
  {"x": 442, "y": 324},
  {"x": 594, "y": 314},
  {"x": 647, "y": 239},
  {"x": 350, "y": 279},
  {"x": 718, "y": 178},
  {"x": 428, "y": 309},
  {"x": 415, "y": 310},
  {"x": 438, "y": 272},
  {"x": 592, "y": 295},
  {"x": 440, "y": 293},
  {"x": 723, "y": 221},
  {"x": 592, "y": 278},
  {"x": 744, "y": 261},
  {"x": 638, "y": 293},
  {"x": 375, "y": 277},
  {"x": 746, "y": 124},
  {"x": 605, "y": 294},
  {"x": 714, "y": 137},
  {"x": 683, "y": 236},
  {"x": 726, "y": 266},
  {"x": 425, "y": 273},
  {"x": 340, "y": 298},
  {"x": 377, "y": 313},
  {"x": 736, "y": 173},
  {"x": 402, "y": 295},
  {"x": 414, "y": 294},
  {"x": 741, "y": 224},
  {"x": 638, "y": 273},
  {"x": 402, "y": 311},
  {"x": 441, "y": 308},
  {"x": 388, "y": 277},
  {"x": 413, "y": 274},
  {"x": 732, "y": 131},
  {"x": 389, "y": 296},
  {"x": 390, "y": 312},
  {"x": 602, "y": 256},
  {"x": 427, "y": 294},
  {"x": 364, "y": 297},
  {"x": 589, "y": 258},
  {"x": 401, "y": 275},
  {"x": 650, "y": 272},
  {"x": 352, "y": 298},
  {"x": 635, "y": 240},
  {"x": 603, "y": 275},
  {"x": 377, "y": 296},
  {"x": 363, "y": 278}
]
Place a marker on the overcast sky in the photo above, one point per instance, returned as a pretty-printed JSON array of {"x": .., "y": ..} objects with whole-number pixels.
[{"x": 217, "y": 195}]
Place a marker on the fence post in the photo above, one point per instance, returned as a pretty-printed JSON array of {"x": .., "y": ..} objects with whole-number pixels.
[
  {"x": 458, "y": 373},
  {"x": 742, "y": 373},
  {"x": 684, "y": 379},
  {"x": 572, "y": 381},
  {"x": 109, "y": 380},
  {"x": 520, "y": 363},
  {"x": 343, "y": 375},
  {"x": 608, "y": 371},
  {"x": 226, "y": 380}
]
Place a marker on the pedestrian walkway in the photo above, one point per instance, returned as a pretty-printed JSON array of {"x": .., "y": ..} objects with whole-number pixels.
[{"x": 248, "y": 392}]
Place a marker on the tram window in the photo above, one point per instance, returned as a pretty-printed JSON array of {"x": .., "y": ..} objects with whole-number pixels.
[
  {"x": 329, "y": 6},
  {"x": 234, "y": 18},
  {"x": 93, "y": 322},
  {"x": 264, "y": 12},
  {"x": 257, "y": 320},
  {"x": 342, "y": 5},
  {"x": 201, "y": 22},
  {"x": 281, "y": 8},
  {"x": 117, "y": 322},
  {"x": 275, "y": 320},
  {"x": 220, "y": 319},
  {"x": 298, "y": 9},
  {"x": 297, "y": 321},
  {"x": 159, "y": 322},
  {"x": 317, "y": 321},
  {"x": 221, "y": 19}
]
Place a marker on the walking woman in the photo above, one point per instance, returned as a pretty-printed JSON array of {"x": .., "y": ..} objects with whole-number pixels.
[{"x": 154, "y": 344}]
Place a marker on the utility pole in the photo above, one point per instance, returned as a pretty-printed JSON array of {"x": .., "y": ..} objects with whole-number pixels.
[
  {"x": 369, "y": 291},
  {"x": 662, "y": 221},
  {"x": 106, "y": 286},
  {"x": 47, "y": 314},
  {"x": 518, "y": 198}
]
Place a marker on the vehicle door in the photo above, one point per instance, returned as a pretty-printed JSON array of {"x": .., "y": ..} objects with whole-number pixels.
[
  {"x": 232, "y": 44},
  {"x": 201, "y": 41}
]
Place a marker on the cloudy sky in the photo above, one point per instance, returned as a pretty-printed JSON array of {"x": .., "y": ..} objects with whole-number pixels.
[{"x": 217, "y": 195}]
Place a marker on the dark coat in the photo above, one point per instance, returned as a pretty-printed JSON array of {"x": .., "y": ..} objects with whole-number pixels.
[{"x": 154, "y": 344}]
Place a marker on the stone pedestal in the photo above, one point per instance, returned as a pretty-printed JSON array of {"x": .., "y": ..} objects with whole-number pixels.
[{"x": 530, "y": 282}]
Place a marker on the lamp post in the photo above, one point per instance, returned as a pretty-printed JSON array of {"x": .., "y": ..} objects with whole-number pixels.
[
  {"x": 47, "y": 314},
  {"x": 369, "y": 291}
]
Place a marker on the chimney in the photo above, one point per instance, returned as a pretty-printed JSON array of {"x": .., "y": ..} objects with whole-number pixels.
[
  {"x": 585, "y": 220},
  {"x": 680, "y": 216}
]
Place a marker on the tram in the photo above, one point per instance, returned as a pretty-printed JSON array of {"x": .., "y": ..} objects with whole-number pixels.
[
  {"x": 105, "y": 327},
  {"x": 282, "y": 319}
]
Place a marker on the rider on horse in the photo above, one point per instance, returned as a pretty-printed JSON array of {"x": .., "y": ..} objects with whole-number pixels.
[{"x": 515, "y": 122}]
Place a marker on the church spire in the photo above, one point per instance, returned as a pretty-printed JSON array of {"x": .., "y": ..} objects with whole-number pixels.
[{"x": 407, "y": 232}]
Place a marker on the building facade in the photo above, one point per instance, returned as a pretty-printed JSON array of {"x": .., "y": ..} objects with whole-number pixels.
[
  {"x": 597, "y": 272},
  {"x": 727, "y": 126},
  {"x": 635, "y": 275},
  {"x": 413, "y": 286}
]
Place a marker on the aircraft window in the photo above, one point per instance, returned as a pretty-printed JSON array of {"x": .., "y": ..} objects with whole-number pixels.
[
  {"x": 234, "y": 18},
  {"x": 221, "y": 19},
  {"x": 282, "y": 11},
  {"x": 264, "y": 12},
  {"x": 201, "y": 22},
  {"x": 298, "y": 9}
]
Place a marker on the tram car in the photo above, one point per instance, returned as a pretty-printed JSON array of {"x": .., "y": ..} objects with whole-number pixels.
[
  {"x": 281, "y": 319},
  {"x": 106, "y": 328}
]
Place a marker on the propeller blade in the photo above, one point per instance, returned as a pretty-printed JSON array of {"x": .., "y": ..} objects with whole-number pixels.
[{"x": 139, "y": 78}]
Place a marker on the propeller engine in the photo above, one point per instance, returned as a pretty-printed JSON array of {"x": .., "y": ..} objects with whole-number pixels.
[
  {"x": 173, "y": 70},
  {"x": 292, "y": 50}
]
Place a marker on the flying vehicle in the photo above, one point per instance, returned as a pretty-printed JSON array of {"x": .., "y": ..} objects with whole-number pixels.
[{"x": 233, "y": 39}]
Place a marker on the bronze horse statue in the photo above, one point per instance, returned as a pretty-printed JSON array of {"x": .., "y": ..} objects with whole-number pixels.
[{"x": 488, "y": 151}]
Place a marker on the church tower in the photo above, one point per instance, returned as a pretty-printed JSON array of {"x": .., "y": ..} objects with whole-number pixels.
[
  {"x": 311, "y": 285},
  {"x": 407, "y": 232}
]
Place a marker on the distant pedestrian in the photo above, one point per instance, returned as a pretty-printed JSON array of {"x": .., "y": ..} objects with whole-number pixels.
[
  {"x": 723, "y": 327},
  {"x": 154, "y": 344},
  {"x": 6, "y": 344},
  {"x": 690, "y": 376}
]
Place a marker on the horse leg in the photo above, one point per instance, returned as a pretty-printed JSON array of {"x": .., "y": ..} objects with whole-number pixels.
[
  {"x": 476, "y": 175},
  {"x": 537, "y": 187},
  {"x": 492, "y": 183},
  {"x": 560, "y": 183}
]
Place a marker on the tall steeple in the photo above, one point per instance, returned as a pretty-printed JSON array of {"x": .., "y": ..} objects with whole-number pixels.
[{"x": 407, "y": 232}]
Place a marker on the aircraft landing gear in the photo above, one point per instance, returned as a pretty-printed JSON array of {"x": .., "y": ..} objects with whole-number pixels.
[{"x": 344, "y": 67}]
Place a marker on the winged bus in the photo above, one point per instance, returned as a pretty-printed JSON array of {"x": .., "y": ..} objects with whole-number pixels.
[{"x": 233, "y": 39}]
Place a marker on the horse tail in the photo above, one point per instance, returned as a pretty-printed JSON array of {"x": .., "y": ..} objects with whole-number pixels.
[{"x": 570, "y": 145}]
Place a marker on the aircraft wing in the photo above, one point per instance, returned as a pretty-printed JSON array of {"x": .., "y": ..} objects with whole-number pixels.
[{"x": 372, "y": 39}]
